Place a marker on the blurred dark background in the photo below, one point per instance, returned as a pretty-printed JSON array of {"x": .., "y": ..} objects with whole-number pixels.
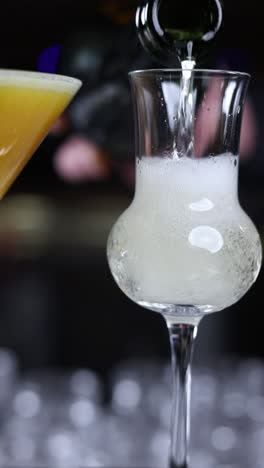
[{"x": 59, "y": 305}]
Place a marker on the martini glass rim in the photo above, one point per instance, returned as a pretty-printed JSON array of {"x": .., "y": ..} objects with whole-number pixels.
[{"x": 16, "y": 73}]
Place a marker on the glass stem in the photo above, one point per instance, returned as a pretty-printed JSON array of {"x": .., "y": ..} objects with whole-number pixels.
[{"x": 182, "y": 339}]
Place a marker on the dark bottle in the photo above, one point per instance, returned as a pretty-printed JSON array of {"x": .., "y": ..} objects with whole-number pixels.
[{"x": 172, "y": 30}]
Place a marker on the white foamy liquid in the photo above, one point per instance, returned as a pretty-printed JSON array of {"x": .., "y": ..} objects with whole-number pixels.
[{"x": 185, "y": 240}]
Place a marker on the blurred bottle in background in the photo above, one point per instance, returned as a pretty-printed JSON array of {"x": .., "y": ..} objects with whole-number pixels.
[{"x": 101, "y": 53}]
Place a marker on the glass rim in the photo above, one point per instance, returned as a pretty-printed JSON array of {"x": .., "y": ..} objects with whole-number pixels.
[
  {"x": 199, "y": 72},
  {"x": 39, "y": 75}
]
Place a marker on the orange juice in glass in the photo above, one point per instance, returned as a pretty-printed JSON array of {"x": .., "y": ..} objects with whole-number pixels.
[{"x": 30, "y": 102}]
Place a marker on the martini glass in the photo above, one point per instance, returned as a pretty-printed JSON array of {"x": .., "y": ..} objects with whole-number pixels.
[
  {"x": 30, "y": 103},
  {"x": 185, "y": 247}
]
